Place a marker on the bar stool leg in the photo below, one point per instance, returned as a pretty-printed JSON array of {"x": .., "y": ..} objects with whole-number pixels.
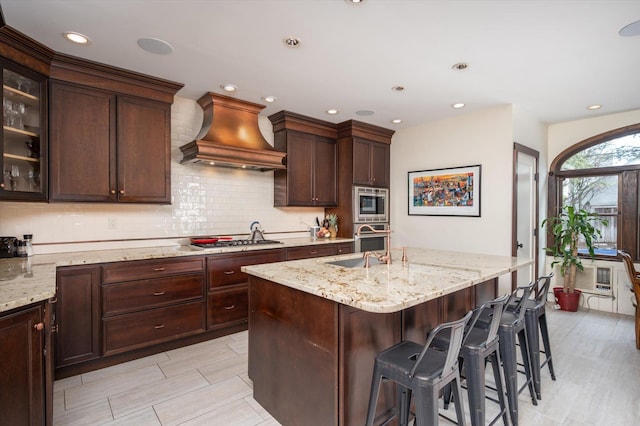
[
  {"x": 457, "y": 395},
  {"x": 509, "y": 364},
  {"x": 427, "y": 406},
  {"x": 373, "y": 396},
  {"x": 404, "y": 395},
  {"x": 497, "y": 377},
  {"x": 531, "y": 324},
  {"x": 526, "y": 360},
  {"x": 547, "y": 344},
  {"x": 474, "y": 371}
]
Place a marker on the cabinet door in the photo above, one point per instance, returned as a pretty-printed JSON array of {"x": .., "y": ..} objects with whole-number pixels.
[
  {"x": 82, "y": 145},
  {"x": 300, "y": 154},
  {"x": 325, "y": 182},
  {"x": 77, "y": 315},
  {"x": 22, "y": 368},
  {"x": 380, "y": 163},
  {"x": 361, "y": 162},
  {"x": 23, "y": 139},
  {"x": 144, "y": 151}
]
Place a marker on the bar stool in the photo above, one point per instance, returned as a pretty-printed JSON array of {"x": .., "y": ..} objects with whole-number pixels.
[
  {"x": 535, "y": 320},
  {"x": 480, "y": 345},
  {"x": 512, "y": 324},
  {"x": 422, "y": 370}
]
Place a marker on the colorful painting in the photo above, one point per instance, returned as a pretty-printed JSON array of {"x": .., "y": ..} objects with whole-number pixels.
[{"x": 445, "y": 192}]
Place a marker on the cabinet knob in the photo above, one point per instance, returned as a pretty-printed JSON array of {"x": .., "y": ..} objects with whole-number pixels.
[
  {"x": 228, "y": 308},
  {"x": 159, "y": 269},
  {"x": 1, "y": 185},
  {"x": 313, "y": 252},
  {"x": 158, "y": 293},
  {"x": 229, "y": 272},
  {"x": 39, "y": 326},
  {"x": 113, "y": 191},
  {"x": 157, "y": 327},
  {"x": 121, "y": 192}
]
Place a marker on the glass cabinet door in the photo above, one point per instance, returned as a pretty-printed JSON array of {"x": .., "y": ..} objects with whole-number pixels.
[{"x": 23, "y": 141}]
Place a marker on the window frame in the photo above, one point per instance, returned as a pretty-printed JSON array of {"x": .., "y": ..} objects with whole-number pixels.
[{"x": 628, "y": 200}]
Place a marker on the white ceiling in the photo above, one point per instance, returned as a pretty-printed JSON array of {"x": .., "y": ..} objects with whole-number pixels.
[{"x": 550, "y": 57}]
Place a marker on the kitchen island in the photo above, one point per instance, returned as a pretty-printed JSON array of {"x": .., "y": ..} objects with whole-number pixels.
[{"x": 316, "y": 326}]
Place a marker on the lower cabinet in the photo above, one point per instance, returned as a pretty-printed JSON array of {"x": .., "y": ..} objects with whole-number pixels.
[
  {"x": 318, "y": 250},
  {"x": 24, "y": 377}
]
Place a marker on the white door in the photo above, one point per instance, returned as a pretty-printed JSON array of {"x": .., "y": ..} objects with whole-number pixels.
[{"x": 526, "y": 208}]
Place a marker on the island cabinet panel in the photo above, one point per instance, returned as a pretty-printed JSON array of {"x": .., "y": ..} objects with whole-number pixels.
[
  {"x": 293, "y": 344},
  {"x": 148, "y": 302},
  {"x": 77, "y": 315},
  {"x": 362, "y": 336},
  {"x": 22, "y": 367},
  {"x": 227, "y": 297}
]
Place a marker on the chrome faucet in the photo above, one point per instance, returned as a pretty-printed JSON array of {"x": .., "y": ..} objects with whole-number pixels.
[{"x": 386, "y": 258}]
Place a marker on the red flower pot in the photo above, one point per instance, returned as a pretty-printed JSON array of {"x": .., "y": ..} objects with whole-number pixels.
[{"x": 567, "y": 301}]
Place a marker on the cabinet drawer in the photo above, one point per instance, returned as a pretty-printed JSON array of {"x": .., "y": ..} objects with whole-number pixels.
[
  {"x": 228, "y": 306},
  {"x": 145, "y": 269},
  {"x": 131, "y": 331},
  {"x": 344, "y": 248},
  {"x": 306, "y": 252},
  {"x": 225, "y": 270},
  {"x": 131, "y": 296}
]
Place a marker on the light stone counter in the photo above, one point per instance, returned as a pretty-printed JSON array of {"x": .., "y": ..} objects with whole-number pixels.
[
  {"x": 28, "y": 280},
  {"x": 383, "y": 288}
]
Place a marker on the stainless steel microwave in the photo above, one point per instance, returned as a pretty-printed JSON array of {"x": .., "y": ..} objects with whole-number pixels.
[{"x": 370, "y": 204}]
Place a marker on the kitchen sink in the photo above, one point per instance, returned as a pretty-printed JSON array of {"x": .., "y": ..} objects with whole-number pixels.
[{"x": 355, "y": 263}]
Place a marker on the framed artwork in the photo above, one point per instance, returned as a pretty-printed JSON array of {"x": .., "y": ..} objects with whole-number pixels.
[{"x": 453, "y": 191}]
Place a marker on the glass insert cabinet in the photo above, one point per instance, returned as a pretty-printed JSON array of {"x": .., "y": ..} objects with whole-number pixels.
[{"x": 23, "y": 142}]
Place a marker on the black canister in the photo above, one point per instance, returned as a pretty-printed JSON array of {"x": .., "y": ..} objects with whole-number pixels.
[{"x": 8, "y": 246}]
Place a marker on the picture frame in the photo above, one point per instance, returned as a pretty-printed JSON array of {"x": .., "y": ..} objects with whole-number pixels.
[{"x": 452, "y": 191}]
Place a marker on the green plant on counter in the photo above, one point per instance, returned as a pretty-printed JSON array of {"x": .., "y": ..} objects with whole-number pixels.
[{"x": 333, "y": 220}]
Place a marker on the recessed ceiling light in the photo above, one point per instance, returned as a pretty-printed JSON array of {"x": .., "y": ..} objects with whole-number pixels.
[
  {"x": 396, "y": 121},
  {"x": 458, "y": 105},
  {"x": 291, "y": 41},
  {"x": 354, "y": 1},
  {"x": 633, "y": 29},
  {"x": 364, "y": 112},
  {"x": 460, "y": 66},
  {"x": 227, "y": 87},
  {"x": 155, "y": 45},
  {"x": 593, "y": 107},
  {"x": 397, "y": 88},
  {"x": 76, "y": 37},
  {"x": 332, "y": 111},
  {"x": 269, "y": 99}
]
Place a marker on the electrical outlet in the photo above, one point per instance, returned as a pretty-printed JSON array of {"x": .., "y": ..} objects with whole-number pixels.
[{"x": 113, "y": 223}]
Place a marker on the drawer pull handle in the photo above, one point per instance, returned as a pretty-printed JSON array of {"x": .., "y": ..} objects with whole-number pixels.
[
  {"x": 313, "y": 252},
  {"x": 160, "y": 269},
  {"x": 228, "y": 308},
  {"x": 229, "y": 272},
  {"x": 39, "y": 326},
  {"x": 158, "y": 293},
  {"x": 157, "y": 327}
]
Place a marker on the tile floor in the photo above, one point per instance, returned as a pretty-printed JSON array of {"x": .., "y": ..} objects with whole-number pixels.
[{"x": 596, "y": 363}]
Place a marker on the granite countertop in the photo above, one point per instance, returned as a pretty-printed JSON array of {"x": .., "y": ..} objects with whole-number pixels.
[
  {"x": 29, "y": 280},
  {"x": 383, "y": 288}
]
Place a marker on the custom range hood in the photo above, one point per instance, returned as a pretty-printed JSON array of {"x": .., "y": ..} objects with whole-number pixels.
[{"x": 230, "y": 136}]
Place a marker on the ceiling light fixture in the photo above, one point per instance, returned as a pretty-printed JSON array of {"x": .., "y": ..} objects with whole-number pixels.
[
  {"x": 460, "y": 66},
  {"x": 397, "y": 88},
  {"x": 396, "y": 121},
  {"x": 291, "y": 41},
  {"x": 332, "y": 111},
  {"x": 76, "y": 37},
  {"x": 227, "y": 87},
  {"x": 354, "y": 1},
  {"x": 155, "y": 45},
  {"x": 633, "y": 29},
  {"x": 270, "y": 99},
  {"x": 458, "y": 105},
  {"x": 364, "y": 112},
  {"x": 594, "y": 107}
]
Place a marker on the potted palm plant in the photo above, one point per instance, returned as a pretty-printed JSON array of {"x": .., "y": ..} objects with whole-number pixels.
[{"x": 568, "y": 228}]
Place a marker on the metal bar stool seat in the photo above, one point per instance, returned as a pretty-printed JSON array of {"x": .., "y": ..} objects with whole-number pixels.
[
  {"x": 512, "y": 327},
  {"x": 479, "y": 345},
  {"x": 423, "y": 371}
]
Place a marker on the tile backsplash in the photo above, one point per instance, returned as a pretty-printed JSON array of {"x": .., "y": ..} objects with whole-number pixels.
[{"x": 205, "y": 201}]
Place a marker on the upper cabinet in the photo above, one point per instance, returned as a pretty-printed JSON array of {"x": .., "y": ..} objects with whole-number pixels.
[
  {"x": 23, "y": 140},
  {"x": 116, "y": 145},
  {"x": 310, "y": 178},
  {"x": 371, "y": 163}
]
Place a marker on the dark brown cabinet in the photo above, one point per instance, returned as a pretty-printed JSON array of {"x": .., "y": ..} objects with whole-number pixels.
[
  {"x": 310, "y": 178},
  {"x": 77, "y": 315},
  {"x": 227, "y": 298},
  {"x": 22, "y": 367},
  {"x": 147, "y": 302},
  {"x": 371, "y": 163},
  {"x": 112, "y": 148}
]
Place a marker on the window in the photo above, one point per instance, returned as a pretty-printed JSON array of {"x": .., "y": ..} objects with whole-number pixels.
[{"x": 602, "y": 176}]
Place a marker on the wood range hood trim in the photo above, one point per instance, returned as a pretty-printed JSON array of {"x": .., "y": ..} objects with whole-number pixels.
[{"x": 230, "y": 136}]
